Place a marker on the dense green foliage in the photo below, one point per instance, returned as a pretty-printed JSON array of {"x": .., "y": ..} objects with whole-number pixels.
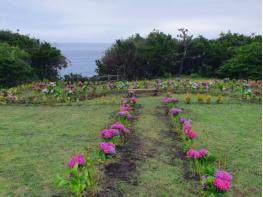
[
  {"x": 22, "y": 57},
  {"x": 14, "y": 66},
  {"x": 246, "y": 61},
  {"x": 159, "y": 54}
]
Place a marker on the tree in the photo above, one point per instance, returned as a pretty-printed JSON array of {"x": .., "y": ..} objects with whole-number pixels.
[
  {"x": 14, "y": 66},
  {"x": 246, "y": 62},
  {"x": 185, "y": 41},
  {"x": 45, "y": 59}
]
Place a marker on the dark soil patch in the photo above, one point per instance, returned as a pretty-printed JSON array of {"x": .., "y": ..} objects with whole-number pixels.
[{"x": 124, "y": 168}]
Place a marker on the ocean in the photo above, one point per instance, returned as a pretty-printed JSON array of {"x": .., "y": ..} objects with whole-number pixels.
[{"x": 81, "y": 56}]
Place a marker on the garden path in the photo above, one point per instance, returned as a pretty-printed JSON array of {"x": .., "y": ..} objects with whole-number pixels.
[{"x": 159, "y": 166}]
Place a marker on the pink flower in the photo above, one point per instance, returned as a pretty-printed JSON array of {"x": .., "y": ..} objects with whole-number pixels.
[
  {"x": 170, "y": 100},
  {"x": 203, "y": 152},
  {"x": 222, "y": 184},
  {"x": 224, "y": 175},
  {"x": 192, "y": 134},
  {"x": 118, "y": 125},
  {"x": 134, "y": 100},
  {"x": 223, "y": 180},
  {"x": 108, "y": 148},
  {"x": 124, "y": 108},
  {"x": 196, "y": 154},
  {"x": 187, "y": 126},
  {"x": 78, "y": 159},
  {"x": 109, "y": 133},
  {"x": 175, "y": 111}
]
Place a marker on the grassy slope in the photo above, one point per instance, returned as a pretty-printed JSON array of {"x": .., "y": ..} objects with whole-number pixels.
[{"x": 36, "y": 143}]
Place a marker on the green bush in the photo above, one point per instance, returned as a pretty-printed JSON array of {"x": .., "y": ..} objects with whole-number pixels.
[{"x": 14, "y": 65}]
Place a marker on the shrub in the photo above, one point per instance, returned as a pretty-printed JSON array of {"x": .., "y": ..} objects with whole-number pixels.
[{"x": 187, "y": 98}]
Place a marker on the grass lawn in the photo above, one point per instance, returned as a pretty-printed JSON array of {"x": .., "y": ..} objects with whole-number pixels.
[
  {"x": 36, "y": 142},
  {"x": 233, "y": 133}
]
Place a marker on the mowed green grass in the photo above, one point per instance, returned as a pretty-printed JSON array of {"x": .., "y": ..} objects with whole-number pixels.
[
  {"x": 36, "y": 143},
  {"x": 233, "y": 133}
]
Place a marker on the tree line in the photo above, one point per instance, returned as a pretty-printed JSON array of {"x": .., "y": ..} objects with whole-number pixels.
[
  {"x": 159, "y": 55},
  {"x": 23, "y": 59}
]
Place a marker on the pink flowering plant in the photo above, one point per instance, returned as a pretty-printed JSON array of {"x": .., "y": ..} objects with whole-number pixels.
[
  {"x": 217, "y": 184},
  {"x": 176, "y": 114},
  {"x": 170, "y": 102},
  {"x": 81, "y": 177},
  {"x": 202, "y": 160},
  {"x": 107, "y": 150},
  {"x": 124, "y": 117},
  {"x": 188, "y": 135},
  {"x": 133, "y": 100},
  {"x": 112, "y": 135}
]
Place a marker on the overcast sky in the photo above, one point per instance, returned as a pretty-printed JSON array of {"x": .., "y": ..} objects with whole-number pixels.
[{"x": 107, "y": 20}]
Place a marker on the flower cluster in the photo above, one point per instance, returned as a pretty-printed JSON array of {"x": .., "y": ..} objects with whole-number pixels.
[
  {"x": 197, "y": 154},
  {"x": 170, "y": 100},
  {"x": 116, "y": 135},
  {"x": 134, "y": 100},
  {"x": 121, "y": 127},
  {"x": 109, "y": 133},
  {"x": 108, "y": 148},
  {"x": 175, "y": 111},
  {"x": 223, "y": 180},
  {"x": 77, "y": 160},
  {"x": 188, "y": 130}
]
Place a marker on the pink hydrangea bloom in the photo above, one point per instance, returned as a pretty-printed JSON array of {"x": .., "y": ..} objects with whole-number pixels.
[
  {"x": 192, "y": 134},
  {"x": 108, "y": 148},
  {"x": 223, "y": 180},
  {"x": 109, "y": 133},
  {"x": 134, "y": 100},
  {"x": 203, "y": 152},
  {"x": 176, "y": 111},
  {"x": 78, "y": 159},
  {"x": 124, "y": 108},
  {"x": 224, "y": 175},
  {"x": 187, "y": 126},
  {"x": 170, "y": 100},
  {"x": 222, "y": 184},
  {"x": 118, "y": 125},
  {"x": 196, "y": 154}
]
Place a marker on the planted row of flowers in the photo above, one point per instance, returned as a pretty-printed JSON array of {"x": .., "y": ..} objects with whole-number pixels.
[
  {"x": 82, "y": 175},
  {"x": 68, "y": 92},
  {"x": 215, "y": 182}
]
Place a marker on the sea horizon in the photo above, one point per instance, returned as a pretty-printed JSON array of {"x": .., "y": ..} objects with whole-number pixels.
[{"x": 81, "y": 56}]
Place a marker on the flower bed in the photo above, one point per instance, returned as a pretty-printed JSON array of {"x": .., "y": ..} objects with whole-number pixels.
[
  {"x": 68, "y": 92},
  {"x": 214, "y": 182},
  {"x": 82, "y": 175}
]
